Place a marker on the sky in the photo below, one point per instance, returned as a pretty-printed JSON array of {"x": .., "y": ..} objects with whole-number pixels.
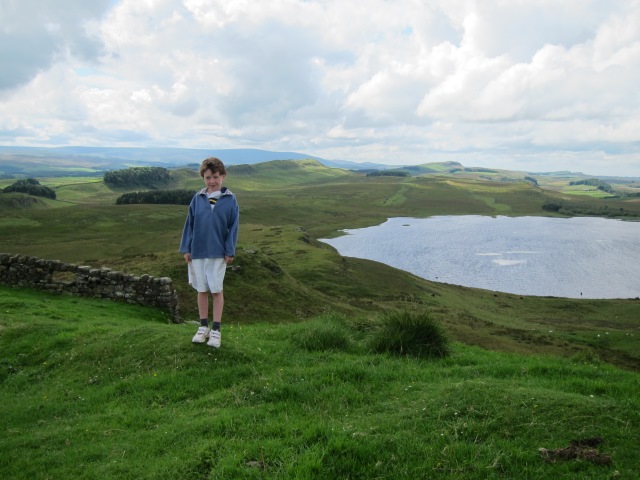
[{"x": 530, "y": 85}]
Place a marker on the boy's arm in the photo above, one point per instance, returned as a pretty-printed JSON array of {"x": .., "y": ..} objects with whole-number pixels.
[
  {"x": 232, "y": 237},
  {"x": 187, "y": 233}
]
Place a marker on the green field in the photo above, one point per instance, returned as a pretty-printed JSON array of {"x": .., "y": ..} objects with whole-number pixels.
[
  {"x": 524, "y": 373},
  {"x": 285, "y": 274},
  {"x": 94, "y": 389}
]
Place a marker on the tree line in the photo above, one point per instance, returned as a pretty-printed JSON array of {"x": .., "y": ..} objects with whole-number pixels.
[
  {"x": 31, "y": 186},
  {"x": 173, "y": 197},
  {"x": 594, "y": 182},
  {"x": 575, "y": 209},
  {"x": 388, "y": 173},
  {"x": 148, "y": 177}
]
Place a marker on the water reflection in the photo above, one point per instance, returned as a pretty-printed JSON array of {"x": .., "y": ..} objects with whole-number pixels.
[{"x": 566, "y": 257}]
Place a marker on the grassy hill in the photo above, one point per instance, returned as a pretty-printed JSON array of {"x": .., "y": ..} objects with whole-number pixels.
[
  {"x": 282, "y": 273},
  {"x": 88, "y": 161},
  {"x": 19, "y": 201},
  {"x": 95, "y": 389},
  {"x": 91, "y": 388}
]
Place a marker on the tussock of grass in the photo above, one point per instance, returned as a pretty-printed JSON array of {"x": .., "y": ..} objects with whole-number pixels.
[
  {"x": 324, "y": 333},
  {"x": 413, "y": 334}
]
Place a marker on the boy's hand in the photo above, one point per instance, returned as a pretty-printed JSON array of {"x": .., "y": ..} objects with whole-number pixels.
[
  {"x": 187, "y": 257},
  {"x": 228, "y": 260}
]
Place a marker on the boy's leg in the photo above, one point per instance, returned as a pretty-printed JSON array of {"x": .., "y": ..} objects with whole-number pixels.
[
  {"x": 203, "y": 332},
  {"x": 218, "y": 306},
  {"x": 215, "y": 277},
  {"x": 203, "y": 305}
]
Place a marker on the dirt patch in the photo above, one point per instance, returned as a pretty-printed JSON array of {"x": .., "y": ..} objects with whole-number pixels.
[{"x": 584, "y": 449}]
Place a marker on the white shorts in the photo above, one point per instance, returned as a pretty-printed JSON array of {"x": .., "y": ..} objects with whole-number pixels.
[{"x": 207, "y": 274}]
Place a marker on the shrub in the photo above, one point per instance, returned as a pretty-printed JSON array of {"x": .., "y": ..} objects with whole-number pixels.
[
  {"x": 176, "y": 197},
  {"x": 552, "y": 207},
  {"x": 409, "y": 333},
  {"x": 31, "y": 186},
  {"x": 326, "y": 332},
  {"x": 148, "y": 177},
  {"x": 594, "y": 182},
  {"x": 389, "y": 173}
]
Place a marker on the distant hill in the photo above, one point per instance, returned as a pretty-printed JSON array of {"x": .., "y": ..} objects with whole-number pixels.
[
  {"x": 16, "y": 162},
  {"x": 91, "y": 161},
  {"x": 115, "y": 157}
]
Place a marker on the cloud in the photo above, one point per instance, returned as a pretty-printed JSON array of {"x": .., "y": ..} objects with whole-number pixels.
[
  {"x": 35, "y": 34},
  {"x": 533, "y": 84}
]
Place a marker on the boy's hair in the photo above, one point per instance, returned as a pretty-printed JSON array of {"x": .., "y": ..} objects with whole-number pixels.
[{"x": 214, "y": 164}]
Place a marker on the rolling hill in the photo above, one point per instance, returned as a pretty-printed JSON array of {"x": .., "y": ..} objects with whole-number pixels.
[{"x": 285, "y": 207}]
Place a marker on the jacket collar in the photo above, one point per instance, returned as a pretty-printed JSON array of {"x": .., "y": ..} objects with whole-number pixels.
[{"x": 224, "y": 190}]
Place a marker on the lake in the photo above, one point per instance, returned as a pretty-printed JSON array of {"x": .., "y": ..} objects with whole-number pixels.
[{"x": 580, "y": 257}]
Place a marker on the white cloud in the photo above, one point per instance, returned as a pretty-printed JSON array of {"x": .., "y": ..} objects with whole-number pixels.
[
  {"x": 527, "y": 84},
  {"x": 35, "y": 34}
]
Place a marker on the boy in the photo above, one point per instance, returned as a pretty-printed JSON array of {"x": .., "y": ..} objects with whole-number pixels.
[{"x": 209, "y": 243}]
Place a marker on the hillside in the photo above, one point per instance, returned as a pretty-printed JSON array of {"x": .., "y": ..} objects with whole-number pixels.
[
  {"x": 19, "y": 201},
  {"x": 281, "y": 173},
  {"x": 94, "y": 389},
  {"x": 87, "y": 161},
  {"x": 282, "y": 273}
]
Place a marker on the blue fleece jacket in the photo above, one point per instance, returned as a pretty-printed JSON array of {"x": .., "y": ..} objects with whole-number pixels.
[{"x": 211, "y": 233}]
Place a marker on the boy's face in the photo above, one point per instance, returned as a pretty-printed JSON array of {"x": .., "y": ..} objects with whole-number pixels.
[{"x": 213, "y": 180}]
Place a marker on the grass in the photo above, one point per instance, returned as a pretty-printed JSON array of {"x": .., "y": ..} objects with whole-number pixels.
[
  {"x": 592, "y": 192},
  {"x": 92, "y": 388},
  {"x": 91, "y": 232},
  {"x": 410, "y": 333},
  {"x": 283, "y": 274},
  {"x": 86, "y": 191},
  {"x": 326, "y": 332},
  {"x": 284, "y": 173}
]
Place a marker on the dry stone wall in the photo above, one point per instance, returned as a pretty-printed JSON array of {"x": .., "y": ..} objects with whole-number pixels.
[{"x": 80, "y": 280}]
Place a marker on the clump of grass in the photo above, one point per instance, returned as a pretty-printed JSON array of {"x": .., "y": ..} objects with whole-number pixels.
[
  {"x": 326, "y": 332},
  {"x": 587, "y": 357},
  {"x": 413, "y": 334}
]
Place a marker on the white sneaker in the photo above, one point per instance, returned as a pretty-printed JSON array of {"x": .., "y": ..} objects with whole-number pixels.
[
  {"x": 214, "y": 339},
  {"x": 201, "y": 335}
]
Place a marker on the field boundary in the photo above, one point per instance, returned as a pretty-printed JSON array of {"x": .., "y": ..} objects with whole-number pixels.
[{"x": 86, "y": 281}]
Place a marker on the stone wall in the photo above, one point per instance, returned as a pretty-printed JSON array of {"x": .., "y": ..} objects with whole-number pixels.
[{"x": 56, "y": 276}]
